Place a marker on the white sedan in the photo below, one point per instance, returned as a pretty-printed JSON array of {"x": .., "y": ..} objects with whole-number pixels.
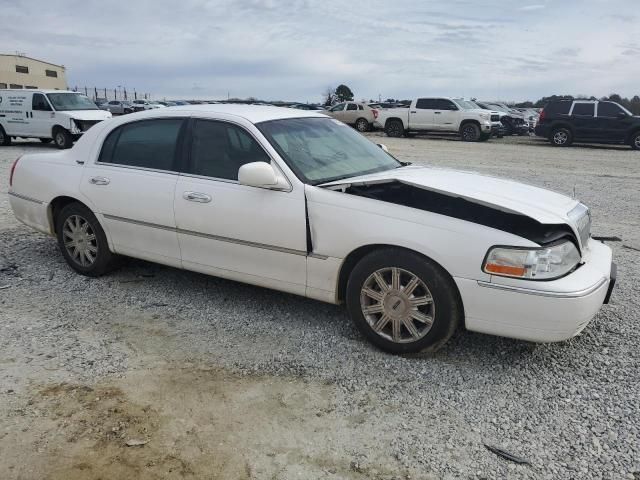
[{"x": 296, "y": 201}]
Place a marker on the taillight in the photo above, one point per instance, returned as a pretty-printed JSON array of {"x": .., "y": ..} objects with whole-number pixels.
[
  {"x": 375, "y": 114},
  {"x": 542, "y": 115},
  {"x": 13, "y": 169}
]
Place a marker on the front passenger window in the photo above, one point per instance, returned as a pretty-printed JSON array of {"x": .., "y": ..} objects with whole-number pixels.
[{"x": 219, "y": 149}]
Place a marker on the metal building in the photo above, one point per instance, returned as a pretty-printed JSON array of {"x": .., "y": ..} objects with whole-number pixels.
[{"x": 18, "y": 71}]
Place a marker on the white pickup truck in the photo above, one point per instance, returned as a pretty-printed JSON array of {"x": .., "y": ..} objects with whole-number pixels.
[{"x": 448, "y": 115}]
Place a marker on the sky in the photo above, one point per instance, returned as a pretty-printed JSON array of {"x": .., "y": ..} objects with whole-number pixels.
[{"x": 295, "y": 49}]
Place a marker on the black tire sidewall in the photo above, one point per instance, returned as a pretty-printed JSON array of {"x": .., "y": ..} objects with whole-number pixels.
[
  {"x": 394, "y": 132},
  {"x": 362, "y": 121},
  {"x": 476, "y": 129},
  {"x": 68, "y": 140},
  {"x": 6, "y": 139},
  {"x": 448, "y": 308},
  {"x": 634, "y": 136},
  {"x": 105, "y": 257}
]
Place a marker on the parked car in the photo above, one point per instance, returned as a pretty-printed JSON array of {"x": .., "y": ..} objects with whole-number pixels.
[
  {"x": 497, "y": 129},
  {"x": 513, "y": 121},
  {"x": 357, "y": 114},
  {"x": 306, "y": 106},
  {"x": 531, "y": 115},
  {"x": 118, "y": 107},
  {"x": 565, "y": 121},
  {"x": 58, "y": 115},
  {"x": 295, "y": 201},
  {"x": 139, "y": 105},
  {"x": 437, "y": 115}
]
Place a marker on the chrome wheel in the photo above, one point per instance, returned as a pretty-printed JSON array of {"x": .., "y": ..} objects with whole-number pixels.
[
  {"x": 60, "y": 139},
  {"x": 362, "y": 125},
  {"x": 636, "y": 142},
  {"x": 560, "y": 137},
  {"x": 80, "y": 240},
  {"x": 397, "y": 305}
]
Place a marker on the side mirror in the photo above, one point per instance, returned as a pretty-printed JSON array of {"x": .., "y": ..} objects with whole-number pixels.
[
  {"x": 258, "y": 174},
  {"x": 383, "y": 147}
]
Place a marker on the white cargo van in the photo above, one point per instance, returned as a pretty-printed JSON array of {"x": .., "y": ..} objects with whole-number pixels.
[{"x": 58, "y": 115}]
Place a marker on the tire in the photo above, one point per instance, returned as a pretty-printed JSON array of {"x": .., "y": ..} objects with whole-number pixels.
[
  {"x": 561, "y": 137},
  {"x": 46, "y": 140},
  {"x": 470, "y": 132},
  {"x": 5, "y": 140},
  {"x": 365, "y": 293},
  {"x": 635, "y": 140},
  {"x": 394, "y": 128},
  {"x": 70, "y": 223},
  {"x": 62, "y": 138},
  {"x": 362, "y": 125}
]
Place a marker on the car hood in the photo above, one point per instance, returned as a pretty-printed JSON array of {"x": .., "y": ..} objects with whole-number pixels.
[
  {"x": 88, "y": 114},
  {"x": 542, "y": 205}
]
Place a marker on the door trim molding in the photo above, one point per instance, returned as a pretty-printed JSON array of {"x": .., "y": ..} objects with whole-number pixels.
[{"x": 219, "y": 238}]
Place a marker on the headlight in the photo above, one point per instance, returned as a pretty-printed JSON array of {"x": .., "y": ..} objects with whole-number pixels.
[
  {"x": 532, "y": 263},
  {"x": 485, "y": 115}
]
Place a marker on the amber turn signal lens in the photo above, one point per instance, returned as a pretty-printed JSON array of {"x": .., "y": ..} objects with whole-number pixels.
[{"x": 505, "y": 270}]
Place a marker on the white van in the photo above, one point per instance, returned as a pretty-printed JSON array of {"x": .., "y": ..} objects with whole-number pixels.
[{"x": 58, "y": 115}]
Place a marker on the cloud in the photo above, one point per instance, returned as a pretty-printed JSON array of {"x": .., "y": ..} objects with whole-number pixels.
[{"x": 277, "y": 49}]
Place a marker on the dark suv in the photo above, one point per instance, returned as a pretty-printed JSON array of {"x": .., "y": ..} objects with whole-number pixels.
[{"x": 565, "y": 121}]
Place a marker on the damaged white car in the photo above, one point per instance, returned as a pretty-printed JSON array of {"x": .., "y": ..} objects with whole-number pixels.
[{"x": 299, "y": 202}]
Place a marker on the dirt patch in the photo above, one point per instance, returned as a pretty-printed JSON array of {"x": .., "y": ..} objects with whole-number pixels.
[{"x": 194, "y": 423}]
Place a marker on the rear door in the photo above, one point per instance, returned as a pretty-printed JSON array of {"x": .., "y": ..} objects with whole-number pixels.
[
  {"x": 132, "y": 186},
  {"x": 351, "y": 113},
  {"x": 41, "y": 116},
  {"x": 250, "y": 234},
  {"x": 422, "y": 116},
  {"x": 584, "y": 121},
  {"x": 612, "y": 121}
]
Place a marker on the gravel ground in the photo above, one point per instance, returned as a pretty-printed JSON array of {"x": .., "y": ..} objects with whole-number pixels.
[{"x": 224, "y": 380}]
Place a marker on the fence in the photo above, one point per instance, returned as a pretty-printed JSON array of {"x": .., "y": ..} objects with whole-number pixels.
[{"x": 119, "y": 93}]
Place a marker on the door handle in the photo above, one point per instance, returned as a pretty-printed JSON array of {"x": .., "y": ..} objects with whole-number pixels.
[
  {"x": 196, "y": 197},
  {"x": 99, "y": 181},
  {"x": 413, "y": 111},
  {"x": 437, "y": 113}
]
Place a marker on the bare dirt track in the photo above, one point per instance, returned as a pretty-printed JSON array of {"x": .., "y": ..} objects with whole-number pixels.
[{"x": 221, "y": 380}]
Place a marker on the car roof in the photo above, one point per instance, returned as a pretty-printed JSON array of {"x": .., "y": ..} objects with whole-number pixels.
[{"x": 252, "y": 113}]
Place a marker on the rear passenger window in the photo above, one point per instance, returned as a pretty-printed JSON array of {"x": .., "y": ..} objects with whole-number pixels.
[
  {"x": 352, "y": 106},
  {"x": 146, "y": 144},
  {"x": 558, "y": 108},
  {"x": 608, "y": 109},
  {"x": 427, "y": 103},
  {"x": 583, "y": 109},
  {"x": 219, "y": 149}
]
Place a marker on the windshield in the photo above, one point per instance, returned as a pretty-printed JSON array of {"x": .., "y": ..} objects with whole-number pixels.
[
  {"x": 466, "y": 105},
  {"x": 71, "y": 101},
  {"x": 320, "y": 150}
]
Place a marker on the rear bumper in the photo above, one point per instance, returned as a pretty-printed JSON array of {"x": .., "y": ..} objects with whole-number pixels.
[
  {"x": 541, "y": 131},
  {"x": 541, "y": 311}
]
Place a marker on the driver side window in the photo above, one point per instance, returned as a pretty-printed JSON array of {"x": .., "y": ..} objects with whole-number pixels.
[
  {"x": 338, "y": 108},
  {"x": 40, "y": 103}
]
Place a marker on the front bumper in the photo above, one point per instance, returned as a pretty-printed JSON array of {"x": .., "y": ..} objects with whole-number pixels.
[
  {"x": 542, "y": 311},
  {"x": 497, "y": 129}
]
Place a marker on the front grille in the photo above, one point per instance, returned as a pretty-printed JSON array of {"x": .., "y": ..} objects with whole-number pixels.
[
  {"x": 495, "y": 118},
  {"x": 85, "y": 125},
  {"x": 581, "y": 216}
]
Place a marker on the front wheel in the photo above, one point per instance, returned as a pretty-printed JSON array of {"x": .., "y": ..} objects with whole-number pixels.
[
  {"x": 394, "y": 128},
  {"x": 470, "y": 132},
  {"x": 62, "y": 138},
  {"x": 82, "y": 241},
  {"x": 635, "y": 140},
  {"x": 403, "y": 302}
]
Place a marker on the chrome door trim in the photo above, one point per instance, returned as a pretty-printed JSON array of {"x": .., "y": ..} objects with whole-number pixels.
[
  {"x": 219, "y": 238},
  {"x": 544, "y": 293}
]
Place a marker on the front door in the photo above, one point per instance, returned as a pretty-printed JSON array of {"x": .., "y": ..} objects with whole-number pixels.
[
  {"x": 41, "y": 117},
  {"x": 132, "y": 186},
  {"x": 338, "y": 112},
  {"x": 250, "y": 234},
  {"x": 446, "y": 115}
]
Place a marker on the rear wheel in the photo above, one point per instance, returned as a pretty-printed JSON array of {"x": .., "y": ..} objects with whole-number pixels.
[
  {"x": 470, "y": 132},
  {"x": 403, "y": 302},
  {"x": 5, "y": 140},
  {"x": 394, "y": 128},
  {"x": 82, "y": 241},
  {"x": 62, "y": 138},
  {"x": 635, "y": 140},
  {"x": 561, "y": 137},
  {"x": 362, "y": 125}
]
